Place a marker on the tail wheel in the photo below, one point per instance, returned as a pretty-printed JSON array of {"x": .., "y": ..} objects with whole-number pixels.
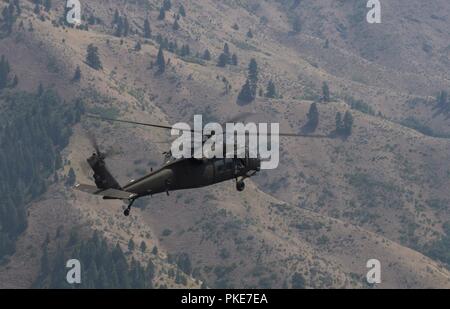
[{"x": 240, "y": 185}]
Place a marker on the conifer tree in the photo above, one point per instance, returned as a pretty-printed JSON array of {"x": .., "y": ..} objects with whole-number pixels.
[
  {"x": 253, "y": 75},
  {"x": 162, "y": 14},
  {"x": 223, "y": 60},
  {"x": 325, "y": 92},
  {"x": 143, "y": 247},
  {"x": 207, "y": 55},
  {"x": 182, "y": 11},
  {"x": 160, "y": 61},
  {"x": 77, "y": 74},
  {"x": 92, "y": 57},
  {"x": 271, "y": 91},
  {"x": 313, "y": 117},
  {"x": 167, "y": 5},
  {"x": 47, "y": 5},
  {"x": 131, "y": 245},
  {"x": 147, "y": 29},
  {"x": 234, "y": 59},
  {"x": 138, "y": 46},
  {"x": 176, "y": 25},
  {"x": 297, "y": 26},
  {"x": 246, "y": 94},
  {"x": 347, "y": 123},
  {"x": 4, "y": 72}
]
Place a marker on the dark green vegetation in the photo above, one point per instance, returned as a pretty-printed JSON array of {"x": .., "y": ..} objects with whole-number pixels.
[
  {"x": 248, "y": 91},
  {"x": 160, "y": 61},
  {"x": 344, "y": 126},
  {"x": 8, "y": 17},
  {"x": 92, "y": 57},
  {"x": 6, "y": 79},
  {"x": 313, "y": 118},
  {"x": 101, "y": 266},
  {"x": 34, "y": 128},
  {"x": 440, "y": 249}
]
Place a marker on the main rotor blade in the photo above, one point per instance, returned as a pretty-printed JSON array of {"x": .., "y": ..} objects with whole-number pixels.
[
  {"x": 137, "y": 123},
  {"x": 93, "y": 141},
  {"x": 193, "y": 131}
]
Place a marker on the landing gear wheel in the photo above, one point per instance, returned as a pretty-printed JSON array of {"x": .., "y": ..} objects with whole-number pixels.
[
  {"x": 240, "y": 186},
  {"x": 126, "y": 212}
]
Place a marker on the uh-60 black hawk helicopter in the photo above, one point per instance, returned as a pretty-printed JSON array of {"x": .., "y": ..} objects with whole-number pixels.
[{"x": 174, "y": 174}]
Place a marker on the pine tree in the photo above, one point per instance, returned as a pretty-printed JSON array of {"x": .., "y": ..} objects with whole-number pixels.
[
  {"x": 249, "y": 89},
  {"x": 155, "y": 250},
  {"x": 162, "y": 14},
  {"x": 131, "y": 245},
  {"x": 325, "y": 92},
  {"x": 143, "y": 247},
  {"x": 126, "y": 27},
  {"x": 207, "y": 55},
  {"x": 246, "y": 94},
  {"x": 92, "y": 57},
  {"x": 250, "y": 34},
  {"x": 297, "y": 26},
  {"x": 71, "y": 178},
  {"x": 234, "y": 59},
  {"x": 138, "y": 46},
  {"x": 160, "y": 61},
  {"x": 184, "y": 263},
  {"x": 442, "y": 99},
  {"x": 17, "y": 5},
  {"x": 298, "y": 281},
  {"x": 313, "y": 117},
  {"x": 226, "y": 49},
  {"x": 147, "y": 29},
  {"x": 253, "y": 76},
  {"x": 167, "y": 5},
  {"x": 176, "y": 25},
  {"x": 47, "y": 5},
  {"x": 271, "y": 90},
  {"x": 77, "y": 74},
  {"x": 223, "y": 60},
  {"x": 37, "y": 8},
  {"x": 116, "y": 17},
  {"x": 8, "y": 19},
  {"x": 185, "y": 50},
  {"x": 40, "y": 90},
  {"x": 4, "y": 72},
  {"x": 348, "y": 123},
  {"x": 182, "y": 11}
]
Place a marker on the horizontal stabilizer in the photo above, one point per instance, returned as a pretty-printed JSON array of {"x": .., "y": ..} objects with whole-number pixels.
[
  {"x": 87, "y": 188},
  {"x": 111, "y": 193}
]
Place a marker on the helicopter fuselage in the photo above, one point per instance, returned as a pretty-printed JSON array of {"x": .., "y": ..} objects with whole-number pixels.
[{"x": 191, "y": 173}]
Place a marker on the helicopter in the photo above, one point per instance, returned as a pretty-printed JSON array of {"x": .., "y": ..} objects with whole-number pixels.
[{"x": 175, "y": 174}]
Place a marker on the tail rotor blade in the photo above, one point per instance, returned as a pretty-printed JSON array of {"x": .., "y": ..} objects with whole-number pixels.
[{"x": 93, "y": 141}]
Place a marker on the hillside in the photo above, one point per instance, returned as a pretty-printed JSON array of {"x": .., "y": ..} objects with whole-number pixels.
[{"x": 330, "y": 206}]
